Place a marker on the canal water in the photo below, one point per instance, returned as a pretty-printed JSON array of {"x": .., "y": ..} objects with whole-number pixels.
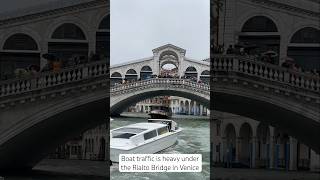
[{"x": 194, "y": 139}]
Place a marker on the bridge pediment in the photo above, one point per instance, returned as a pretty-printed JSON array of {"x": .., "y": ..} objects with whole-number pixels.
[{"x": 169, "y": 47}]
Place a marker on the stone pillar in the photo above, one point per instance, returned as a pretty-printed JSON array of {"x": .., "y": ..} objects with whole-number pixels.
[
  {"x": 238, "y": 147},
  {"x": 194, "y": 108},
  {"x": 314, "y": 161},
  {"x": 92, "y": 43},
  {"x": 201, "y": 109},
  {"x": 293, "y": 154},
  {"x": 253, "y": 154},
  {"x": 189, "y": 108}
]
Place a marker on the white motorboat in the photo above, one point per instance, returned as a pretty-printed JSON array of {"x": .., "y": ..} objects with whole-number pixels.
[{"x": 143, "y": 138}]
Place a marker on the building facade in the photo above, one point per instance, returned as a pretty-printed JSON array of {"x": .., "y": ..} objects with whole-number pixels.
[
  {"x": 289, "y": 28},
  {"x": 242, "y": 142},
  {"x": 73, "y": 31}
]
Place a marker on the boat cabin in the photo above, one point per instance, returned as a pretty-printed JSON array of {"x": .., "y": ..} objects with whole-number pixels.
[{"x": 138, "y": 133}]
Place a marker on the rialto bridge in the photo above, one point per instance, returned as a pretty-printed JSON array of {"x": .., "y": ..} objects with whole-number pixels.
[
  {"x": 40, "y": 112},
  {"x": 155, "y": 65}
]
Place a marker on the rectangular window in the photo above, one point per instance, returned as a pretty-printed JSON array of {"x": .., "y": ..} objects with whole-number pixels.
[
  {"x": 162, "y": 130},
  {"x": 150, "y": 135}
]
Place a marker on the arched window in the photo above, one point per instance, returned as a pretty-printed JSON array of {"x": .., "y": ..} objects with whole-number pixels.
[
  {"x": 205, "y": 76},
  {"x": 191, "y": 73},
  {"x": 20, "y": 42},
  {"x": 71, "y": 51},
  {"x": 168, "y": 54},
  {"x": 191, "y": 69},
  {"x": 116, "y": 78},
  {"x": 116, "y": 75},
  {"x": 259, "y": 24},
  {"x": 146, "y": 69},
  {"x": 68, "y": 31},
  {"x": 145, "y": 72},
  {"x": 304, "y": 48},
  {"x": 103, "y": 38},
  {"x": 131, "y": 75},
  {"x": 206, "y": 72},
  {"x": 105, "y": 23},
  {"x": 26, "y": 54},
  {"x": 131, "y": 71},
  {"x": 306, "y": 35}
]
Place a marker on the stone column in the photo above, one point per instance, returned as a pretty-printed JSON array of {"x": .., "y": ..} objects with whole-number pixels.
[
  {"x": 201, "y": 109},
  {"x": 293, "y": 154},
  {"x": 194, "y": 108},
  {"x": 189, "y": 108},
  {"x": 253, "y": 154},
  {"x": 314, "y": 162}
]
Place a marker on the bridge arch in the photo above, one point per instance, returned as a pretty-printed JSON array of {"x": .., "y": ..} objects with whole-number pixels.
[
  {"x": 245, "y": 135},
  {"x": 120, "y": 101},
  {"x": 169, "y": 57},
  {"x": 230, "y": 145}
]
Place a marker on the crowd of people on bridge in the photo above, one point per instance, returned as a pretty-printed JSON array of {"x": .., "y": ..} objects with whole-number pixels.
[
  {"x": 192, "y": 78},
  {"x": 269, "y": 56},
  {"x": 53, "y": 64}
]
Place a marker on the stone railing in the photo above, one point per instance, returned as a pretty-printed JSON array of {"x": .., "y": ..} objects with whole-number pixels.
[
  {"x": 52, "y": 79},
  {"x": 265, "y": 71},
  {"x": 163, "y": 82}
]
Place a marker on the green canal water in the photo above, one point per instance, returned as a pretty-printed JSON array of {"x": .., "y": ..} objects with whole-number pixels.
[{"x": 194, "y": 139}]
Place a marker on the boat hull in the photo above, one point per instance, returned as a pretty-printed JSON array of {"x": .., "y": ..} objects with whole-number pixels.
[{"x": 158, "y": 144}]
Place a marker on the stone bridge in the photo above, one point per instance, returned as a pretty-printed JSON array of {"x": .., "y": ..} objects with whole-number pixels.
[
  {"x": 122, "y": 96},
  {"x": 40, "y": 112},
  {"x": 267, "y": 93}
]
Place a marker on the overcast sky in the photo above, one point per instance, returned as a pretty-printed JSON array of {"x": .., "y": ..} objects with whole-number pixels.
[{"x": 138, "y": 26}]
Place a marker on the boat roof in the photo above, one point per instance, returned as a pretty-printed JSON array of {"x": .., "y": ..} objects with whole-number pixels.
[
  {"x": 139, "y": 128},
  {"x": 147, "y": 126}
]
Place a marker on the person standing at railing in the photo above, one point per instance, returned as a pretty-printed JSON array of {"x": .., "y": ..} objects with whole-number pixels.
[{"x": 56, "y": 66}]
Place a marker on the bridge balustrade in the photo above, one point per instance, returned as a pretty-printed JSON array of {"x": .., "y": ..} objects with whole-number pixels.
[
  {"x": 225, "y": 64},
  {"x": 50, "y": 79},
  {"x": 124, "y": 88},
  {"x": 266, "y": 71}
]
